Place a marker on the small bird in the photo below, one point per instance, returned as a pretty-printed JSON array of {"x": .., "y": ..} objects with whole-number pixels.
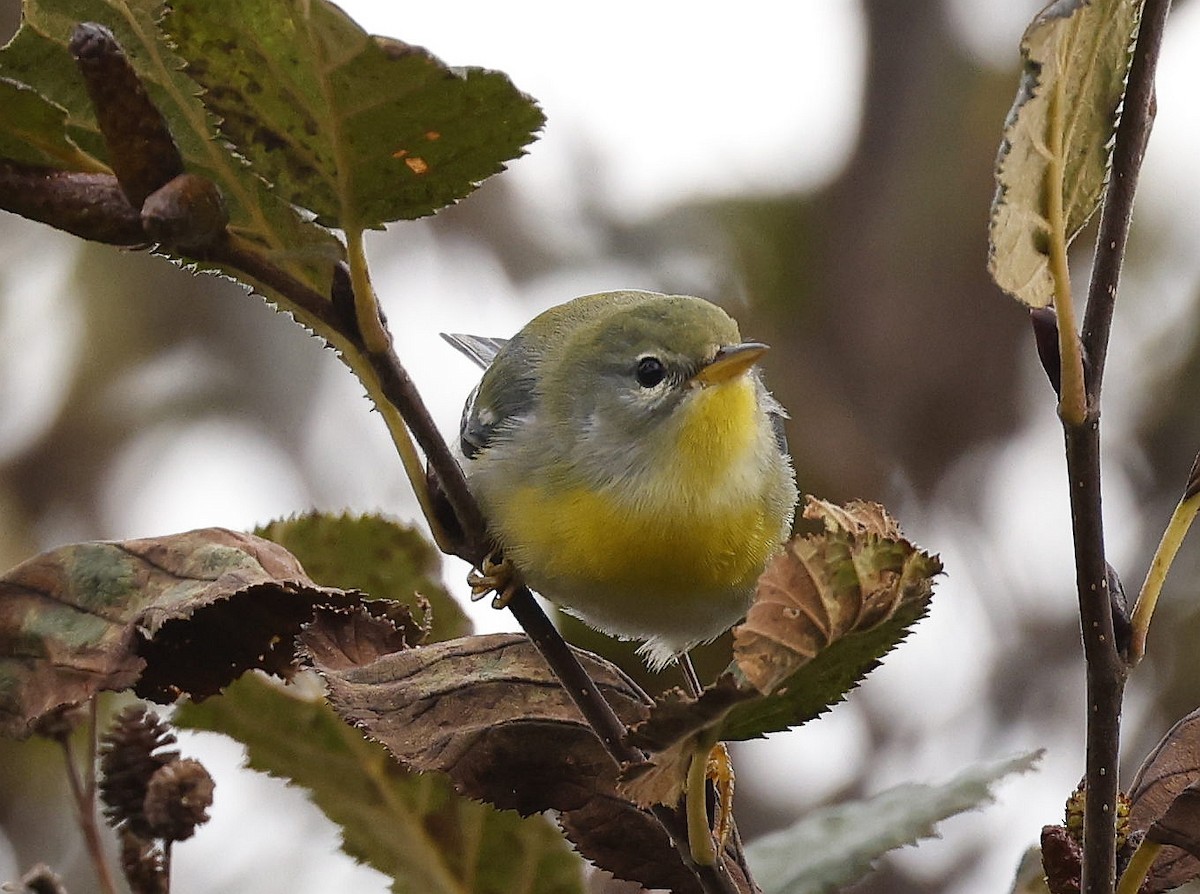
[{"x": 630, "y": 464}]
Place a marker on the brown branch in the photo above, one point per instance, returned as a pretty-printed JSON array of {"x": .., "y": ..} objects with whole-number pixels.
[{"x": 1106, "y": 667}]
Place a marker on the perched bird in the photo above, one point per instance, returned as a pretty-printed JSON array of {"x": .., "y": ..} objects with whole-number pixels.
[{"x": 631, "y": 464}]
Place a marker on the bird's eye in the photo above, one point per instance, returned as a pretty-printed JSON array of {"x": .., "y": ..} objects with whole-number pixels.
[{"x": 650, "y": 371}]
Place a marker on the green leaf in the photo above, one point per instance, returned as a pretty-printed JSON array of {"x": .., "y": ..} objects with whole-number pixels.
[
  {"x": 1058, "y": 137},
  {"x": 411, "y": 827},
  {"x": 33, "y": 130},
  {"x": 377, "y": 555},
  {"x": 38, "y": 56},
  {"x": 832, "y": 847},
  {"x": 360, "y": 130},
  {"x": 165, "y": 615}
]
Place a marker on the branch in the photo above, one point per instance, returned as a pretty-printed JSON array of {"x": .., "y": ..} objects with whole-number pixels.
[{"x": 1106, "y": 669}]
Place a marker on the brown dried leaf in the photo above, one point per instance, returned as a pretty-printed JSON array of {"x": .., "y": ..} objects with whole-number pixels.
[
  {"x": 1180, "y": 825},
  {"x": 486, "y": 710},
  {"x": 629, "y": 843},
  {"x": 670, "y": 734},
  {"x": 849, "y": 579},
  {"x": 1170, "y": 769},
  {"x": 164, "y": 616}
]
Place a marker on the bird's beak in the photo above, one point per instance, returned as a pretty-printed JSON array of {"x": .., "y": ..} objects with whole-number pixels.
[{"x": 731, "y": 361}]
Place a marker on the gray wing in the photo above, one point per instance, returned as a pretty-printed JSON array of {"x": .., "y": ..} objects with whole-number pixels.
[
  {"x": 480, "y": 348},
  {"x": 505, "y": 393}
]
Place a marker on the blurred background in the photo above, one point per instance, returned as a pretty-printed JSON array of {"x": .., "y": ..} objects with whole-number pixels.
[{"x": 821, "y": 169}]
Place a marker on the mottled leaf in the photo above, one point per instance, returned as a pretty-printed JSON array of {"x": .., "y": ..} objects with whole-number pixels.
[
  {"x": 413, "y": 828},
  {"x": 826, "y": 611},
  {"x": 162, "y": 616},
  {"x": 854, "y": 577},
  {"x": 376, "y": 555},
  {"x": 1058, "y": 137},
  {"x": 1167, "y": 772},
  {"x": 33, "y": 130},
  {"x": 360, "y": 130},
  {"x": 834, "y": 846},
  {"x": 486, "y": 710}
]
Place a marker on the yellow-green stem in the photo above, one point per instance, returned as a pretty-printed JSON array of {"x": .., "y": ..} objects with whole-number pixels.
[
  {"x": 366, "y": 304},
  {"x": 1139, "y": 866},
  {"x": 1072, "y": 401},
  {"x": 1168, "y": 546},
  {"x": 699, "y": 835}
]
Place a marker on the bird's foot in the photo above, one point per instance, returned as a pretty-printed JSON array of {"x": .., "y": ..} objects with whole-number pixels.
[
  {"x": 496, "y": 575},
  {"x": 720, "y": 773}
]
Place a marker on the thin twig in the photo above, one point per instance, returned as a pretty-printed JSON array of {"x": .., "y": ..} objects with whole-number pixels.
[
  {"x": 84, "y": 795},
  {"x": 1106, "y": 670}
]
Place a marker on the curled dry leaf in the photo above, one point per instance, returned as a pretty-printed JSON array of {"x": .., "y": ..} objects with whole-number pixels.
[
  {"x": 486, "y": 710},
  {"x": 826, "y": 611},
  {"x": 1169, "y": 772},
  {"x": 670, "y": 735},
  {"x": 629, "y": 843},
  {"x": 164, "y": 616},
  {"x": 849, "y": 579},
  {"x": 382, "y": 557},
  {"x": 1180, "y": 825}
]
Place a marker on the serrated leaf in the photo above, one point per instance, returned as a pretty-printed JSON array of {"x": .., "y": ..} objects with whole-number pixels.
[
  {"x": 853, "y": 577},
  {"x": 734, "y": 711},
  {"x": 832, "y": 847},
  {"x": 38, "y": 56},
  {"x": 33, "y": 130},
  {"x": 1075, "y": 60},
  {"x": 379, "y": 556},
  {"x": 162, "y": 616},
  {"x": 821, "y": 683},
  {"x": 360, "y": 130},
  {"x": 411, "y": 827}
]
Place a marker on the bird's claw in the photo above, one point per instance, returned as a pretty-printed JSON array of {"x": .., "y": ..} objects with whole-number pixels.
[
  {"x": 494, "y": 576},
  {"x": 719, "y": 771}
]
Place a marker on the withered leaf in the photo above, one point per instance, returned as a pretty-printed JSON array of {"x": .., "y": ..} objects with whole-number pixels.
[
  {"x": 383, "y": 558},
  {"x": 629, "y": 843},
  {"x": 1170, "y": 769},
  {"x": 849, "y": 579},
  {"x": 185, "y": 613},
  {"x": 670, "y": 734},
  {"x": 485, "y": 710},
  {"x": 826, "y": 611},
  {"x": 1180, "y": 825}
]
